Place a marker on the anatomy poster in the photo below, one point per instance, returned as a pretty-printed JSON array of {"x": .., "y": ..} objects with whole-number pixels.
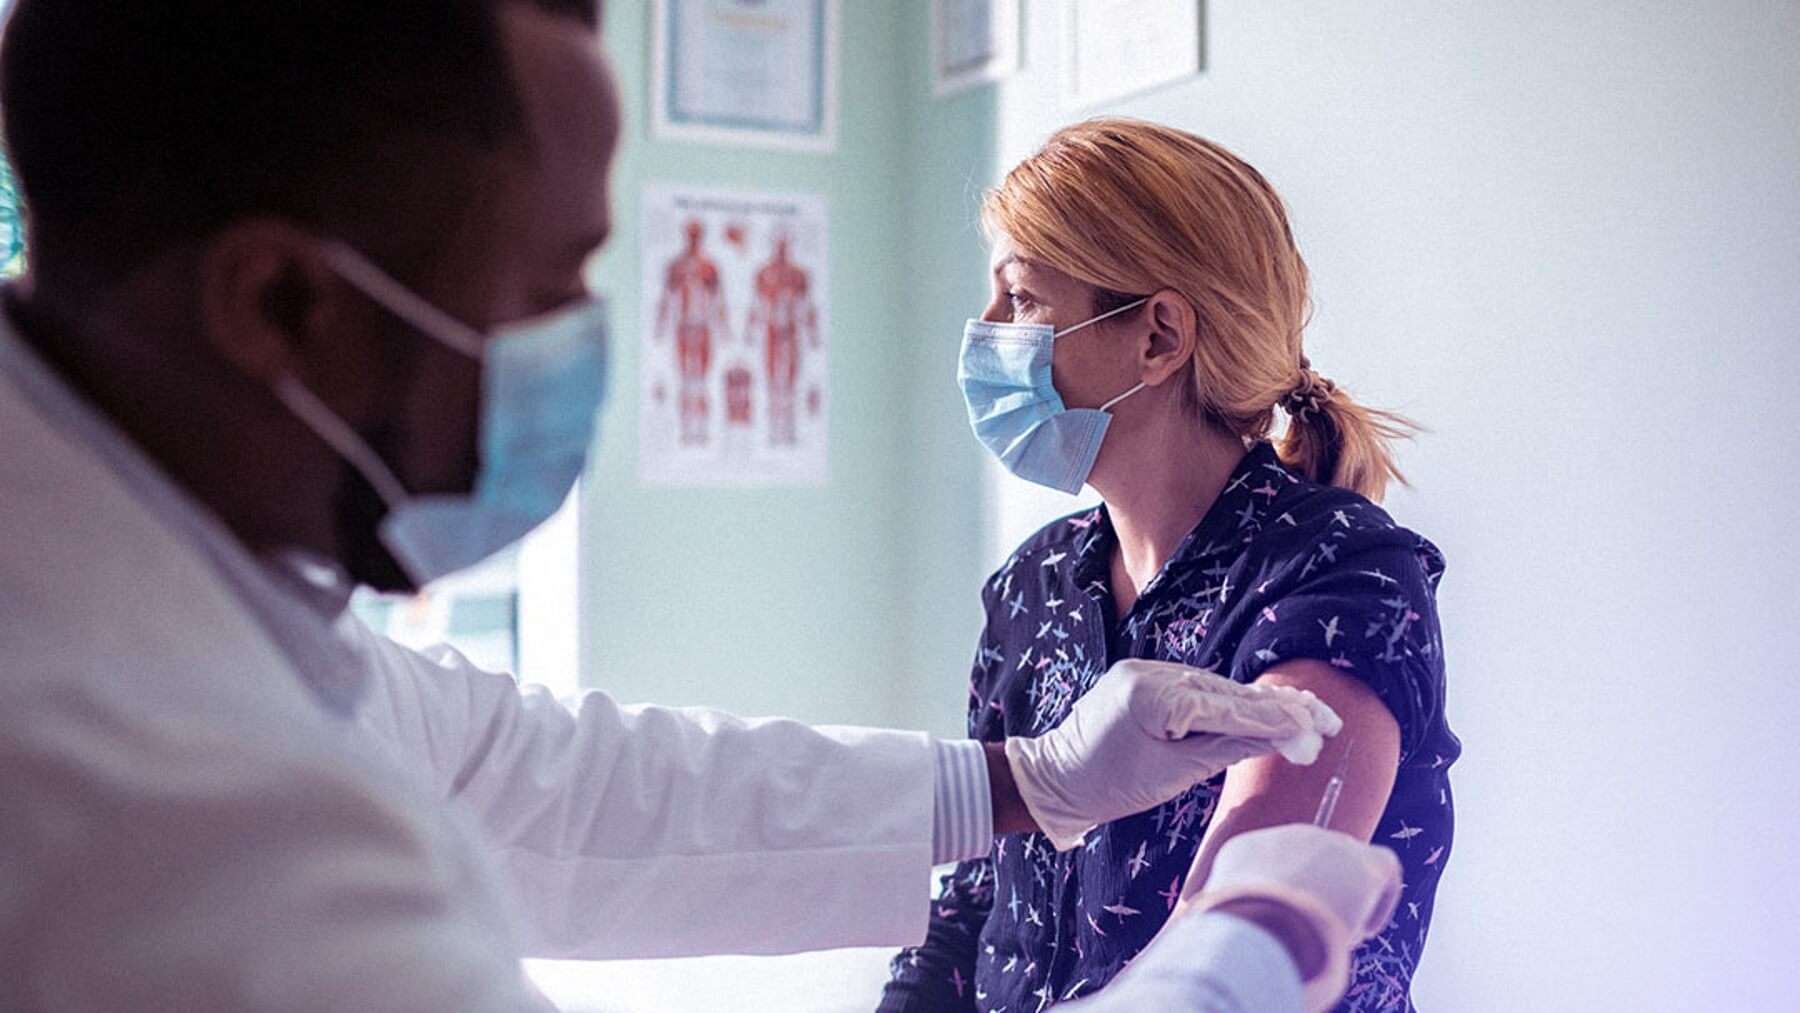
[{"x": 732, "y": 370}]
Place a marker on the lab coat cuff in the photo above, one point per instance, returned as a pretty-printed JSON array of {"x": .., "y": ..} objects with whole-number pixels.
[
  {"x": 962, "y": 807},
  {"x": 1208, "y": 961}
]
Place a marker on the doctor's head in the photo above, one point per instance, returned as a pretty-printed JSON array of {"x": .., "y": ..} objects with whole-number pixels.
[
  {"x": 1188, "y": 247},
  {"x": 189, "y": 169}
]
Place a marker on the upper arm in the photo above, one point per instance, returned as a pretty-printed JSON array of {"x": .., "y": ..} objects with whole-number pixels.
[
  {"x": 1269, "y": 791},
  {"x": 1357, "y": 626}
]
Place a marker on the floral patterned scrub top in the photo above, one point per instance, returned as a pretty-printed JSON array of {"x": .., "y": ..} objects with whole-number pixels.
[{"x": 1280, "y": 568}]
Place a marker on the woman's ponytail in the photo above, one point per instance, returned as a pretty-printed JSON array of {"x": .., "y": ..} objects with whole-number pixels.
[{"x": 1332, "y": 440}]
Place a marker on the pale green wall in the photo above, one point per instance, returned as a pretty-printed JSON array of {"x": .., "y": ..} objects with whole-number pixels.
[
  {"x": 853, "y": 602},
  {"x": 949, "y": 146}
]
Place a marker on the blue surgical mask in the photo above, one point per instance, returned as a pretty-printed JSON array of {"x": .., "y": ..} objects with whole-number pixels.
[
  {"x": 542, "y": 384},
  {"x": 1015, "y": 410}
]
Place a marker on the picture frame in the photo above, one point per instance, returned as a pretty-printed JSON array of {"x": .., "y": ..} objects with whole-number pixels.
[
  {"x": 973, "y": 42},
  {"x": 1115, "y": 49},
  {"x": 751, "y": 73}
]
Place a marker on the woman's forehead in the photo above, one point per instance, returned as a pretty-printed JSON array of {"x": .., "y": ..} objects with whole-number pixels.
[
  {"x": 1003, "y": 254},
  {"x": 1011, "y": 262}
]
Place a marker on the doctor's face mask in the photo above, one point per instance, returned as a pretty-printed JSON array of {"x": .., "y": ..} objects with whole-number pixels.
[{"x": 542, "y": 384}]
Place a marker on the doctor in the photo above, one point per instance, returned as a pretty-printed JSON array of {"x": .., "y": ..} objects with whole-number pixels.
[{"x": 305, "y": 301}]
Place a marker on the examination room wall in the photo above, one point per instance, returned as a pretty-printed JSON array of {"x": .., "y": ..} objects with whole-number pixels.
[
  {"x": 1566, "y": 238},
  {"x": 815, "y": 603},
  {"x": 854, "y": 602}
]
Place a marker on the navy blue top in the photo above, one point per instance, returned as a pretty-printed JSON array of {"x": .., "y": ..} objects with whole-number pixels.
[{"x": 1278, "y": 569}]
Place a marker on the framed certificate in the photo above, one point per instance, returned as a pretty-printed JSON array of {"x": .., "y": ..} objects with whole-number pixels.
[
  {"x": 972, "y": 42},
  {"x": 1116, "y": 48},
  {"x": 746, "y": 72}
]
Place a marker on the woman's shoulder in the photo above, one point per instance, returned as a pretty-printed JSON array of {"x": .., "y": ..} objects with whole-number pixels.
[{"x": 1307, "y": 516}]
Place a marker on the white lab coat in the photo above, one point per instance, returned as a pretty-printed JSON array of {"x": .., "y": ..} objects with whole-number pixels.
[{"x": 182, "y": 825}]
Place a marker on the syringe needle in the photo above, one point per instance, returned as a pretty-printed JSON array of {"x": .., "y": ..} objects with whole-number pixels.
[{"x": 1328, "y": 801}]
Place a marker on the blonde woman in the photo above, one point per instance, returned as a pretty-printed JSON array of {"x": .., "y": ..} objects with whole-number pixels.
[{"x": 1160, "y": 270}]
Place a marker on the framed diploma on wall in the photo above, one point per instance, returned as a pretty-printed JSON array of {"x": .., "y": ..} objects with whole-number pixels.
[
  {"x": 761, "y": 73},
  {"x": 1116, "y": 48},
  {"x": 972, "y": 42}
]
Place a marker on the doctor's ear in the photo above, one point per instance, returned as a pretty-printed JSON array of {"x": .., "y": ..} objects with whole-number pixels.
[
  {"x": 1174, "y": 332},
  {"x": 265, "y": 296}
]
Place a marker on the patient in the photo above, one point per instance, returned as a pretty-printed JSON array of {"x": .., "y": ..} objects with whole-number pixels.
[{"x": 1167, "y": 271}]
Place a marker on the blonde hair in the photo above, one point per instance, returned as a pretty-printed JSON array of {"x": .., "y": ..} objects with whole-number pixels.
[{"x": 1134, "y": 208}]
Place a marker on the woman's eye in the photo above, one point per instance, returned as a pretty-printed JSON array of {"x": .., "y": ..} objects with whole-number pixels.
[{"x": 1018, "y": 301}]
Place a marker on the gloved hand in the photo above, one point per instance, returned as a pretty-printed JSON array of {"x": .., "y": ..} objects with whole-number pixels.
[
  {"x": 1344, "y": 889},
  {"x": 1148, "y": 731}
]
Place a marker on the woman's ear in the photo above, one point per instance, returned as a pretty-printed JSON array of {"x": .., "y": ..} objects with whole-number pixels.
[
  {"x": 1174, "y": 331},
  {"x": 265, "y": 295}
]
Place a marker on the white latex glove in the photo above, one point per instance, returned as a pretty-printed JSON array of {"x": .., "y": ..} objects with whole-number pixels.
[
  {"x": 1345, "y": 889},
  {"x": 1148, "y": 731}
]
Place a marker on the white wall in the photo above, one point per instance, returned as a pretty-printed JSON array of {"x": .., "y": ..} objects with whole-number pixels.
[{"x": 1566, "y": 237}]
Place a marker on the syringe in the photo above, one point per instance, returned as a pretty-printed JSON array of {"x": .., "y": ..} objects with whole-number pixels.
[{"x": 1328, "y": 801}]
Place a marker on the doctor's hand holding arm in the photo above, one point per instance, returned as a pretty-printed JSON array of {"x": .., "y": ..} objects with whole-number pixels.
[{"x": 1148, "y": 731}]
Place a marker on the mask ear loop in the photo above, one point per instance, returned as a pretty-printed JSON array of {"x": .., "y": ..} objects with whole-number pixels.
[
  {"x": 325, "y": 424},
  {"x": 1113, "y": 313},
  {"x": 401, "y": 301},
  {"x": 1108, "y": 405}
]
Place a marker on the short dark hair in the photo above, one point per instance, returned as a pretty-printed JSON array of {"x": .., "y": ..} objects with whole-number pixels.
[{"x": 134, "y": 124}]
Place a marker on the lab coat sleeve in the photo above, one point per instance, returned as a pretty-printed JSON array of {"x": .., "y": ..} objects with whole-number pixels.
[
  {"x": 628, "y": 832},
  {"x": 1205, "y": 963},
  {"x": 167, "y": 863}
]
